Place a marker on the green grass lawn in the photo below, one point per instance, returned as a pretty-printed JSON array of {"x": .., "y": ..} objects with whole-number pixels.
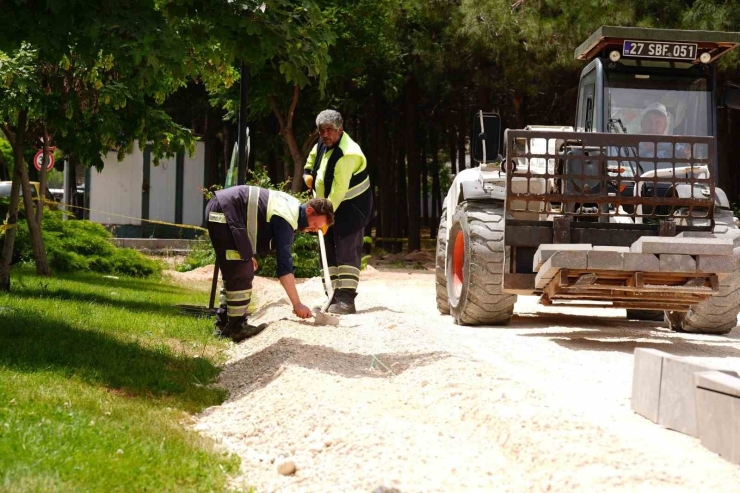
[{"x": 97, "y": 377}]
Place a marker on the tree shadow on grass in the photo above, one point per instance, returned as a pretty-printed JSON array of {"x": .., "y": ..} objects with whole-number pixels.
[
  {"x": 59, "y": 293},
  {"x": 259, "y": 369},
  {"x": 30, "y": 342}
]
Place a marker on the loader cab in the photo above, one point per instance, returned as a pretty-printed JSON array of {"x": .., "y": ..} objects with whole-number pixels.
[{"x": 652, "y": 81}]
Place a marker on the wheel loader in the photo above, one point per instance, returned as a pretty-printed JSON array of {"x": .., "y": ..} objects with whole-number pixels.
[{"x": 620, "y": 210}]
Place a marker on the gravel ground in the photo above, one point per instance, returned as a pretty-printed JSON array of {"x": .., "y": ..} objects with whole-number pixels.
[{"x": 398, "y": 398}]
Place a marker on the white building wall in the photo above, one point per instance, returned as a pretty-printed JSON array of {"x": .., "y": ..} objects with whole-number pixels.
[
  {"x": 117, "y": 189},
  {"x": 162, "y": 179},
  {"x": 192, "y": 197}
]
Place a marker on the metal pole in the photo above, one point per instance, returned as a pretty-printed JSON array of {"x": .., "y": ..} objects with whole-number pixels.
[{"x": 242, "y": 130}]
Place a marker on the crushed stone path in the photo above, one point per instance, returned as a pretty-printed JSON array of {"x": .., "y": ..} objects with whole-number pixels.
[{"x": 398, "y": 398}]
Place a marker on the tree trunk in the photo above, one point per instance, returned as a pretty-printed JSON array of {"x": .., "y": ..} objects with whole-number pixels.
[
  {"x": 42, "y": 180},
  {"x": 424, "y": 184},
  {"x": 453, "y": 147},
  {"x": 414, "y": 189},
  {"x": 15, "y": 193},
  {"x": 288, "y": 134},
  {"x": 436, "y": 193},
  {"x": 461, "y": 133},
  {"x": 37, "y": 242}
]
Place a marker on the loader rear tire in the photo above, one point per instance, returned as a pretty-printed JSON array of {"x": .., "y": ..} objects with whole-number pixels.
[
  {"x": 475, "y": 264},
  {"x": 443, "y": 302},
  {"x": 716, "y": 315}
]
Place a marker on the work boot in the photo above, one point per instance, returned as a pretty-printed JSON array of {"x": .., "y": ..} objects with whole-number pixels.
[
  {"x": 342, "y": 308},
  {"x": 239, "y": 329},
  {"x": 343, "y": 302}
]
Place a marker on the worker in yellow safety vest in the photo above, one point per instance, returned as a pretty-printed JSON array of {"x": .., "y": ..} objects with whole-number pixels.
[{"x": 337, "y": 168}]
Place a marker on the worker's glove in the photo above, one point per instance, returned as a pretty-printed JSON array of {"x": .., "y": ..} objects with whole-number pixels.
[{"x": 308, "y": 180}]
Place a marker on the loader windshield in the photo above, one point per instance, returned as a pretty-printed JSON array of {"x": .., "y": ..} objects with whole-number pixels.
[{"x": 658, "y": 104}]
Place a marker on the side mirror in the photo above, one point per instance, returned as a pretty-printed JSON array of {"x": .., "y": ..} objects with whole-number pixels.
[
  {"x": 731, "y": 96},
  {"x": 486, "y": 138}
]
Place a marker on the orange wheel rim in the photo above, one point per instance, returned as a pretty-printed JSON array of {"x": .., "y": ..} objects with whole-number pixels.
[{"x": 458, "y": 262}]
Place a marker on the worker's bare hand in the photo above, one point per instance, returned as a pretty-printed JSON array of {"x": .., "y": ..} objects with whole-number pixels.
[
  {"x": 254, "y": 263},
  {"x": 302, "y": 310}
]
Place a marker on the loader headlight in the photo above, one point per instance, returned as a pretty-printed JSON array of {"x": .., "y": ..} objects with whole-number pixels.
[
  {"x": 614, "y": 56},
  {"x": 705, "y": 57}
]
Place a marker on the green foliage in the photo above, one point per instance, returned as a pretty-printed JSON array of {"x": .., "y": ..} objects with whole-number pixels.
[
  {"x": 78, "y": 246},
  {"x": 200, "y": 255},
  {"x": 98, "y": 376}
]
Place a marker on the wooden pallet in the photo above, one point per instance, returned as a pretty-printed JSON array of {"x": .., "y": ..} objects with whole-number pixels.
[{"x": 635, "y": 290}]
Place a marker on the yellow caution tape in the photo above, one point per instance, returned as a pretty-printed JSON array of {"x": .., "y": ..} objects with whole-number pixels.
[{"x": 150, "y": 221}]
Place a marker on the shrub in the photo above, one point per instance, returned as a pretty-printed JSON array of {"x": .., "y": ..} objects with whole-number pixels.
[{"x": 82, "y": 245}]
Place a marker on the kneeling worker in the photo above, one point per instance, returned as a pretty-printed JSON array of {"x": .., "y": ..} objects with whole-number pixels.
[{"x": 244, "y": 221}]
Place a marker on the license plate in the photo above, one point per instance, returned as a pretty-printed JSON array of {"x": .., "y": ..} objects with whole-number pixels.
[{"x": 658, "y": 49}]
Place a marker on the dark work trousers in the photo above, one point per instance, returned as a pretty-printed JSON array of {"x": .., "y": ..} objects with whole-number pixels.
[
  {"x": 343, "y": 256},
  {"x": 237, "y": 273}
]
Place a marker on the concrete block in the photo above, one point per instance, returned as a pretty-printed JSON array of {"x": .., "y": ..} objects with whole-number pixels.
[
  {"x": 646, "y": 382},
  {"x": 683, "y": 246},
  {"x": 716, "y": 264},
  {"x": 670, "y": 262},
  {"x": 677, "y": 402},
  {"x": 544, "y": 252},
  {"x": 574, "y": 259},
  {"x": 696, "y": 234},
  {"x": 602, "y": 248},
  {"x": 605, "y": 260},
  {"x": 718, "y": 413},
  {"x": 641, "y": 262}
]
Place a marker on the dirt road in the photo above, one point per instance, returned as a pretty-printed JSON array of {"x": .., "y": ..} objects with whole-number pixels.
[{"x": 398, "y": 398}]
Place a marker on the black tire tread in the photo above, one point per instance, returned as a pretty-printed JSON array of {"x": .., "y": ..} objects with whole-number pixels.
[{"x": 443, "y": 302}]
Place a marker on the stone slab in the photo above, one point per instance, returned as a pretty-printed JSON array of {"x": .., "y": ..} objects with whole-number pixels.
[
  {"x": 601, "y": 248},
  {"x": 574, "y": 259},
  {"x": 641, "y": 262},
  {"x": 695, "y": 234},
  {"x": 646, "y": 382},
  {"x": 716, "y": 264},
  {"x": 677, "y": 402},
  {"x": 683, "y": 246},
  {"x": 544, "y": 252},
  {"x": 718, "y": 412},
  {"x": 670, "y": 262},
  {"x": 605, "y": 260},
  {"x": 726, "y": 382}
]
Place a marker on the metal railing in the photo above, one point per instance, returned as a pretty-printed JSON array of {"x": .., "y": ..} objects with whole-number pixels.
[{"x": 610, "y": 178}]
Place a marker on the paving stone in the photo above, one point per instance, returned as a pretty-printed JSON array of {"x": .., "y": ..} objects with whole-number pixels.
[
  {"x": 695, "y": 234},
  {"x": 641, "y": 262},
  {"x": 574, "y": 259},
  {"x": 601, "y": 248},
  {"x": 718, "y": 413},
  {"x": 544, "y": 252},
  {"x": 605, "y": 260},
  {"x": 683, "y": 246},
  {"x": 677, "y": 404},
  {"x": 646, "y": 382},
  {"x": 716, "y": 264},
  {"x": 670, "y": 262}
]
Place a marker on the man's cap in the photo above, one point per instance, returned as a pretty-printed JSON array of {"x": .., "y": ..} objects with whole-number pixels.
[{"x": 656, "y": 108}]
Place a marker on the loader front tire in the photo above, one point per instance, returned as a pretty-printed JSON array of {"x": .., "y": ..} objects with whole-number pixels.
[
  {"x": 716, "y": 315},
  {"x": 443, "y": 303},
  {"x": 475, "y": 266}
]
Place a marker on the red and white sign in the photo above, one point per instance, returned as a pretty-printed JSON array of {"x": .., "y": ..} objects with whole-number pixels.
[{"x": 38, "y": 160}]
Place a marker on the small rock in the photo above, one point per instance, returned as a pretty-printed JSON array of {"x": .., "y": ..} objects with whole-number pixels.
[
  {"x": 424, "y": 383},
  {"x": 316, "y": 447},
  {"x": 286, "y": 467}
]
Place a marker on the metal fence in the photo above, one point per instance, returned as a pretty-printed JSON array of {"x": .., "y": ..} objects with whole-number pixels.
[{"x": 610, "y": 178}]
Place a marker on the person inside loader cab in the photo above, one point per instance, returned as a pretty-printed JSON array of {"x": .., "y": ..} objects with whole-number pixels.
[
  {"x": 244, "y": 221},
  {"x": 655, "y": 121},
  {"x": 338, "y": 169}
]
